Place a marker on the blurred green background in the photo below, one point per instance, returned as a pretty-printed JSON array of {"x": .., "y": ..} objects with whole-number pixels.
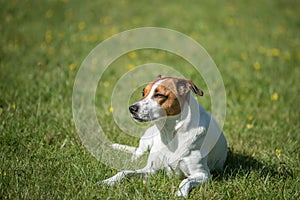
[{"x": 255, "y": 44}]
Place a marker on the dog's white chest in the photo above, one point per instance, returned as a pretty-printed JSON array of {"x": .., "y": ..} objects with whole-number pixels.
[{"x": 170, "y": 153}]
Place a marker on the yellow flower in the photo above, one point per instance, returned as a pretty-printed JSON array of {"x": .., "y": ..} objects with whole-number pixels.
[
  {"x": 106, "y": 84},
  {"x": 132, "y": 54},
  {"x": 111, "y": 109},
  {"x": 49, "y": 13},
  {"x": 262, "y": 50},
  {"x": 43, "y": 45},
  {"x": 274, "y": 96},
  {"x": 298, "y": 56},
  {"x": 106, "y": 20},
  {"x": 250, "y": 118},
  {"x": 94, "y": 60},
  {"x": 249, "y": 126},
  {"x": 48, "y": 37},
  {"x": 274, "y": 52},
  {"x": 256, "y": 66},
  {"x": 112, "y": 31},
  {"x": 71, "y": 67},
  {"x": 244, "y": 56},
  {"x": 278, "y": 151},
  {"x": 130, "y": 67},
  {"x": 229, "y": 21},
  {"x": 81, "y": 26},
  {"x": 13, "y": 106}
]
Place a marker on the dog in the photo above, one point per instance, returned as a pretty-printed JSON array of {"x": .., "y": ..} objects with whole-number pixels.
[{"x": 185, "y": 139}]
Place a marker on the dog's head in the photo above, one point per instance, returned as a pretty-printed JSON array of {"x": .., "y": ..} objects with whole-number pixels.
[{"x": 163, "y": 97}]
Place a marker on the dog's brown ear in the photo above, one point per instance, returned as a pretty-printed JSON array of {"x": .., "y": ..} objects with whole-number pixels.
[
  {"x": 194, "y": 88},
  {"x": 162, "y": 76},
  {"x": 184, "y": 86}
]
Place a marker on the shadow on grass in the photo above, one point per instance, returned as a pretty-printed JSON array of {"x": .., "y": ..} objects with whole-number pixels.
[{"x": 241, "y": 165}]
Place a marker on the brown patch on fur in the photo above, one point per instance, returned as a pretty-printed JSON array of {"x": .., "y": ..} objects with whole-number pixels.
[
  {"x": 175, "y": 90},
  {"x": 148, "y": 87},
  {"x": 147, "y": 90},
  {"x": 170, "y": 102},
  {"x": 183, "y": 85}
]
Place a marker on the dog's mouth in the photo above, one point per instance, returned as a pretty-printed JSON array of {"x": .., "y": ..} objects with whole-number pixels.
[
  {"x": 140, "y": 116},
  {"x": 138, "y": 119}
]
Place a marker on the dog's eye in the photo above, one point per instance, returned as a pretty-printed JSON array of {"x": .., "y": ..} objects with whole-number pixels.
[
  {"x": 143, "y": 93},
  {"x": 157, "y": 95}
]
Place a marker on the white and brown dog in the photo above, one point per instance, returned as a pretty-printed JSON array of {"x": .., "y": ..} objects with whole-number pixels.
[{"x": 184, "y": 139}]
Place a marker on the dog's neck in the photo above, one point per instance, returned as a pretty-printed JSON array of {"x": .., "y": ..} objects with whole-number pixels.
[{"x": 181, "y": 123}]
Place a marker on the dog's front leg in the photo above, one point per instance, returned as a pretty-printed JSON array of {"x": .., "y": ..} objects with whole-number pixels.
[
  {"x": 124, "y": 148},
  {"x": 141, "y": 173},
  {"x": 191, "y": 182}
]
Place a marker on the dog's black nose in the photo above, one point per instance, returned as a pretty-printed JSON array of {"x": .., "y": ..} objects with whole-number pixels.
[{"x": 133, "y": 108}]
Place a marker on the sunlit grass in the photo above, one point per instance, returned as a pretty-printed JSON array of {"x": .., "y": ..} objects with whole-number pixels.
[{"x": 256, "y": 46}]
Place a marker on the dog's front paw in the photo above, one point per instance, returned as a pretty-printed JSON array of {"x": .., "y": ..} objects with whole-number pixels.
[
  {"x": 180, "y": 193},
  {"x": 109, "y": 182}
]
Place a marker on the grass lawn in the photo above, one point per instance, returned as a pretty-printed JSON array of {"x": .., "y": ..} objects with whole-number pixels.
[{"x": 255, "y": 44}]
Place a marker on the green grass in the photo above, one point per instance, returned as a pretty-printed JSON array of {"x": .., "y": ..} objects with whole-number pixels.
[{"x": 256, "y": 46}]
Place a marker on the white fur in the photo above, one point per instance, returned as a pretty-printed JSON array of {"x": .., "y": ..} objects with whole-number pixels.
[
  {"x": 177, "y": 145},
  {"x": 149, "y": 108}
]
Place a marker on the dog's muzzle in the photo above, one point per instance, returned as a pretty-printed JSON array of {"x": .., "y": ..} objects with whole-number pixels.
[{"x": 134, "y": 109}]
